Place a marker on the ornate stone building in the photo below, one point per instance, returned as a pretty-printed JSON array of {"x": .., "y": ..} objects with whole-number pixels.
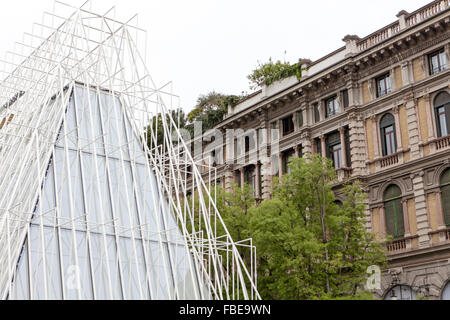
[{"x": 379, "y": 107}]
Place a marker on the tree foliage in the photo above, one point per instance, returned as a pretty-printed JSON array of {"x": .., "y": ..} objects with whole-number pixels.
[
  {"x": 270, "y": 72},
  {"x": 211, "y": 108},
  {"x": 309, "y": 247}
]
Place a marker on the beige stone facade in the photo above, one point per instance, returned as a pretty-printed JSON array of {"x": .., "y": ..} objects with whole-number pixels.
[{"x": 339, "y": 108}]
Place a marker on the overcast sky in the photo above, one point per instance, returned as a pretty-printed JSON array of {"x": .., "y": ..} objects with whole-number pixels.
[{"x": 205, "y": 45}]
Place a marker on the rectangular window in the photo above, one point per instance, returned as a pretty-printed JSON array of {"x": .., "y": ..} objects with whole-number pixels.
[
  {"x": 332, "y": 105},
  {"x": 288, "y": 125},
  {"x": 345, "y": 98},
  {"x": 316, "y": 112},
  {"x": 334, "y": 149},
  {"x": 383, "y": 85},
  {"x": 287, "y": 156},
  {"x": 336, "y": 153},
  {"x": 437, "y": 62},
  {"x": 249, "y": 143}
]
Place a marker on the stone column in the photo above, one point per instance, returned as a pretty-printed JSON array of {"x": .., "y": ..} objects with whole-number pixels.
[
  {"x": 306, "y": 144},
  {"x": 343, "y": 149},
  {"x": 323, "y": 146},
  {"x": 229, "y": 178},
  {"x": 297, "y": 152},
  {"x": 406, "y": 218},
  {"x": 242, "y": 172},
  {"x": 398, "y": 132}
]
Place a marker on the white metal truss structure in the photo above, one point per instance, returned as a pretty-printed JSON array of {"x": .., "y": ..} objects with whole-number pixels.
[{"x": 92, "y": 205}]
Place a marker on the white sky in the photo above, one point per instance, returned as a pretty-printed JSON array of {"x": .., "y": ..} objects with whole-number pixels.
[{"x": 205, "y": 45}]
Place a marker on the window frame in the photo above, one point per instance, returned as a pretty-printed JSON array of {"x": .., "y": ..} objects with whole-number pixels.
[
  {"x": 441, "y": 66},
  {"x": 331, "y": 151},
  {"x": 392, "y": 135},
  {"x": 398, "y": 218},
  {"x": 387, "y": 84},
  {"x": 291, "y": 127},
  {"x": 446, "y": 112},
  {"x": 336, "y": 106}
]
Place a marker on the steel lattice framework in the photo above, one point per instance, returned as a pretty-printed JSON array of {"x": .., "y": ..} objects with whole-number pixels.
[{"x": 92, "y": 205}]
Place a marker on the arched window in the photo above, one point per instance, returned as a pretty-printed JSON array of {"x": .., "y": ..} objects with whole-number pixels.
[
  {"x": 442, "y": 113},
  {"x": 445, "y": 196},
  {"x": 388, "y": 137},
  {"x": 401, "y": 292},
  {"x": 393, "y": 212},
  {"x": 446, "y": 292}
]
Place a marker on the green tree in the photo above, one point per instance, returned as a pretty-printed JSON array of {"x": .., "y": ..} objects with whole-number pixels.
[
  {"x": 157, "y": 126},
  {"x": 211, "y": 108},
  {"x": 310, "y": 247},
  {"x": 269, "y": 72}
]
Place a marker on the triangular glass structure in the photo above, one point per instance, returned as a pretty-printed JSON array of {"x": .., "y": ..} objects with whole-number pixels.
[
  {"x": 100, "y": 196},
  {"x": 96, "y": 229}
]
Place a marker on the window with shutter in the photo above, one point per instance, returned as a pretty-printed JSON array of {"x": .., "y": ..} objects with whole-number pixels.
[
  {"x": 445, "y": 196},
  {"x": 395, "y": 225}
]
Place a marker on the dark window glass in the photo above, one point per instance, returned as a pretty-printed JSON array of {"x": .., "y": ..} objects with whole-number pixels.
[
  {"x": 383, "y": 85},
  {"x": 332, "y": 106},
  {"x": 445, "y": 196},
  {"x": 442, "y": 113},
  {"x": 249, "y": 143},
  {"x": 345, "y": 98},
  {"x": 288, "y": 125},
  {"x": 300, "y": 118},
  {"x": 318, "y": 146},
  {"x": 437, "y": 61},
  {"x": 393, "y": 211},
  {"x": 335, "y": 149},
  {"x": 388, "y": 135},
  {"x": 316, "y": 112},
  {"x": 287, "y": 156}
]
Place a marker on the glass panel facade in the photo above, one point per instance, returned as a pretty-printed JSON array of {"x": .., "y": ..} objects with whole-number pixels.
[{"x": 100, "y": 229}]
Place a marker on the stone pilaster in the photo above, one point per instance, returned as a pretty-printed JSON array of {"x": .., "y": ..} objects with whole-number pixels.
[
  {"x": 358, "y": 152},
  {"x": 423, "y": 227},
  {"x": 229, "y": 177},
  {"x": 266, "y": 178},
  {"x": 413, "y": 128},
  {"x": 306, "y": 144}
]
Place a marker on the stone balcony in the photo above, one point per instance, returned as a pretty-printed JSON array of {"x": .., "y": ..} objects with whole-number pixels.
[
  {"x": 406, "y": 20},
  {"x": 402, "y": 245}
]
